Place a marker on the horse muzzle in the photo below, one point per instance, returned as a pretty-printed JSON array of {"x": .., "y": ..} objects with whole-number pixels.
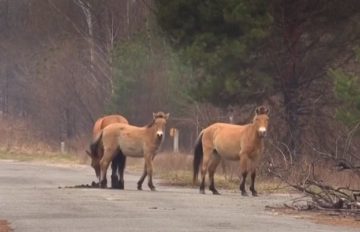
[
  {"x": 262, "y": 132},
  {"x": 160, "y": 135}
]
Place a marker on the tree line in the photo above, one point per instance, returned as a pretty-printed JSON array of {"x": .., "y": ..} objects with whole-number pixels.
[{"x": 65, "y": 63}]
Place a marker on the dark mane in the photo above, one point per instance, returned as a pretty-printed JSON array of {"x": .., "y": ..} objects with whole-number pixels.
[
  {"x": 150, "y": 124},
  {"x": 156, "y": 116},
  {"x": 159, "y": 115},
  {"x": 262, "y": 110}
]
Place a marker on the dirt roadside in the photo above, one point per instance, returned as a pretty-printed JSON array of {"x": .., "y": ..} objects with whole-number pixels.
[{"x": 332, "y": 218}]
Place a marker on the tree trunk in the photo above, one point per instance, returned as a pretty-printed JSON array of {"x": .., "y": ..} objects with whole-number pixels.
[
  {"x": 292, "y": 31},
  {"x": 85, "y": 7}
]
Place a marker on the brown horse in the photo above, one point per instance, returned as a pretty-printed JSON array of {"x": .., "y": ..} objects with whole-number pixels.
[
  {"x": 118, "y": 164},
  {"x": 231, "y": 142},
  {"x": 134, "y": 142}
]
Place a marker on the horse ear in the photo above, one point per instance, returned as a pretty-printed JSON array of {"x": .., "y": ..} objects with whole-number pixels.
[
  {"x": 167, "y": 116},
  {"x": 257, "y": 110},
  {"x": 261, "y": 110},
  {"x": 267, "y": 110}
]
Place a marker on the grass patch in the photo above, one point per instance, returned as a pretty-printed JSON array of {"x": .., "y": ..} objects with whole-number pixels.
[
  {"x": 184, "y": 179},
  {"x": 49, "y": 157},
  {"x": 176, "y": 170}
]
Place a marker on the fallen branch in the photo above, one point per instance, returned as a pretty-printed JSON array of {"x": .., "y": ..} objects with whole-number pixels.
[{"x": 323, "y": 197}]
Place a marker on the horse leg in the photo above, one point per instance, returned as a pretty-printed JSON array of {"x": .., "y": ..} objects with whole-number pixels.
[
  {"x": 203, "y": 171},
  {"x": 104, "y": 165},
  {"x": 242, "y": 184},
  {"x": 149, "y": 171},
  {"x": 103, "y": 168},
  {"x": 114, "y": 168},
  {"x": 212, "y": 168},
  {"x": 142, "y": 178},
  {"x": 202, "y": 184},
  {"x": 252, "y": 186},
  {"x": 223, "y": 166},
  {"x": 244, "y": 172},
  {"x": 121, "y": 169}
]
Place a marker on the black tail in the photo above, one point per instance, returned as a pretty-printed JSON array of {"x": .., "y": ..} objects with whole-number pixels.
[
  {"x": 94, "y": 146},
  {"x": 198, "y": 156}
]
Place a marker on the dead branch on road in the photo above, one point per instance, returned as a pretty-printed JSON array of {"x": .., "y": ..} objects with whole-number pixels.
[{"x": 322, "y": 195}]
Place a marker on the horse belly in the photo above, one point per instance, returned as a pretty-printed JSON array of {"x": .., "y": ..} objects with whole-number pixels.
[
  {"x": 131, "y": 149},
  {"x": 228, "y": 150},
  {"x": 228, "y": 155}
]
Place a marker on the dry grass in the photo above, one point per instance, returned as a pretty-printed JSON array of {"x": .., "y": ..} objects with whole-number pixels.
[
  {"x": 176, "y": 169},
  {"x": 320, "y": 170},
  {"x": 48, "y": 157},
  {"x": 19, "y": 141},
  {"x": 345, "y": 178},
  {"x": 18, "y": 136}
]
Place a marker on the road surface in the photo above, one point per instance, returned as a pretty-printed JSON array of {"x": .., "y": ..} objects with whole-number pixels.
[{"x": 31, "y": 200}]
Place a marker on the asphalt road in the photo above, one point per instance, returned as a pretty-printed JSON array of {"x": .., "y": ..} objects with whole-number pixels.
[{"x": 31, "y": 200}]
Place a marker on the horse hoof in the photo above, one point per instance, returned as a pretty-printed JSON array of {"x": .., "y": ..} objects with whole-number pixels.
[
  {"x": 115, "y": 186},
  {"x": 139, "y": 188},
  {"x": 214, "y": 191},
  {"x": 153, "y": 189},
  {"x": 254, "y": 194},
  {"x": 94, "y": 184},
  {"x": 244, "y": 194},
  {"x": 114, "y": 182},
  {"x": 202, "y": 191},
  {"x": 120, "y": 187},
  {"x": 103, "y": 185}
]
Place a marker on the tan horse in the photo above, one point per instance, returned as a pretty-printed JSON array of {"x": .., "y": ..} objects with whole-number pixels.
[
  {"x": 118, "y": 164},
  {"x": 134, "y": 142},
  {"x": 242, "y": 143}
]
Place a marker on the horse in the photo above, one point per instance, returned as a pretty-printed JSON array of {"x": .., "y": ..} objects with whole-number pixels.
[
  {"x": 118, "y": 164},
  {"x": 132, "y": 141},
  {"x": 243, "y": 143}
]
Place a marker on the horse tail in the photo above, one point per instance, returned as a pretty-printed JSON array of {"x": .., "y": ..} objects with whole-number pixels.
[
  {"x": 94, "y": 146},
  {"x": 198, "y": 157}
]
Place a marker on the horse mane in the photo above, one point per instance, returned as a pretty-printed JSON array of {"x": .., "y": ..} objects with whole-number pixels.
[
  {"x": 159, "y": 115},
  {"x": 156, "y": 116},
  {"x": 150, "y": 124},
  {"x": 261, "y": 110}
]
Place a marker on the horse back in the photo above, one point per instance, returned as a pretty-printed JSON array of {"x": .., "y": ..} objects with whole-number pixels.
[
  {"x": 129, "y": 139},
  {"x": 103, "y": 122},
  {"x": 224, "y": 131},
  {"x": 107, "y": 120}
]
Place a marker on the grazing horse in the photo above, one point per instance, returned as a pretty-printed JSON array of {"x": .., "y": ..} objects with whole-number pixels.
[
  {"x": 242, "y": 143},
  {"x": 134, "y": 142},
  {"x": 118, "y": 164}
]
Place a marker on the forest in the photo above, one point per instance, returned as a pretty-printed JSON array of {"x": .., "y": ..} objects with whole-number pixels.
[{"x": 65, "y": 63}]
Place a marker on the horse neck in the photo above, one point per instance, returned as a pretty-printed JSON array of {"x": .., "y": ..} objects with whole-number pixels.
[
  {"x": 150, "y": 131},
  {"x": 253, "y": 134}
]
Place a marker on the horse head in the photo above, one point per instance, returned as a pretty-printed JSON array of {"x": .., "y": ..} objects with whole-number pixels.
[
  {"x": 95, "y": 163},
  {"x": 159, "y": 122},
  {"x": 261, "y": 120}
]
